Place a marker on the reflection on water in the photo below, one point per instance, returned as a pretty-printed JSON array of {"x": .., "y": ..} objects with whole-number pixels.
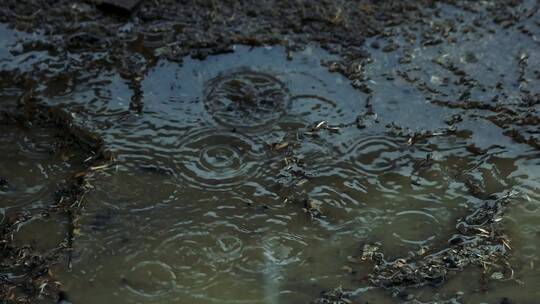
[{"x": 199, "y": 207}]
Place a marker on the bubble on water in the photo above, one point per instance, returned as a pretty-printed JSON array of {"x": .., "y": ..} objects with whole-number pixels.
[
  {"x": 246, "y": 99},
  {"x": 362, "y": 232},
  {"x": 365, "y": 221}
]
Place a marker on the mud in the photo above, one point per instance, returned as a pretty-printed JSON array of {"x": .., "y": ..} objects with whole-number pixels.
[
  {"x": 26, "y": 268},
  {"x": 478, "y": 241},
  {"x": 431, "y": 118}
]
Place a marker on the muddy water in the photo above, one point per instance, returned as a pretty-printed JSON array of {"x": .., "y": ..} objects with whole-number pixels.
[
  {"x": 45, "y": 168},
  {"x": 34, "y": 167},
  {"x": 202, "y": 207}
]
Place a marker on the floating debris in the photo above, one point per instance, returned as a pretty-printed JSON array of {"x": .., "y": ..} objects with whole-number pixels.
[{"x": 479, "y": 241}]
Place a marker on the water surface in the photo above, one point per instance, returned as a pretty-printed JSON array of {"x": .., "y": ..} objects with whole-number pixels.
[{"x": 246, "y": 179}]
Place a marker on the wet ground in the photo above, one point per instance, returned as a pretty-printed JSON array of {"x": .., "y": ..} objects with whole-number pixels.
[{"x": 313, "y": 159}]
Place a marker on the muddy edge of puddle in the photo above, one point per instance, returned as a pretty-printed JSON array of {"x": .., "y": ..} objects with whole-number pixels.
[{"x": 30, "y": 268}]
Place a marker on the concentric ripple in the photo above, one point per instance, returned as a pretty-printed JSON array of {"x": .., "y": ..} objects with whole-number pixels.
[
  {"x": 373, "y": 155},
  {"x": 185, "y": 253},
  {"x": 135, "y": 189},
  {"x": 283, "y": 249},
  {"x": 217, "y": 159},
  {"x": 204, "y": 261},
  {"x": 422, "y": 227},
  {"x": 150, "y": 279},
  {"x": 246, "y": 98}
]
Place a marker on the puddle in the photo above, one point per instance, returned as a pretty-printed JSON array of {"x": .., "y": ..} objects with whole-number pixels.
[
  {"x": 197, "y": 208},
  {"x": 251, "y": 177}
]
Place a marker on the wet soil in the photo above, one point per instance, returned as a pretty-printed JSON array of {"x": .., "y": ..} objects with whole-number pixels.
[
  {"x": 270, "y": 151},
  {"x": 53, "y": 156}
]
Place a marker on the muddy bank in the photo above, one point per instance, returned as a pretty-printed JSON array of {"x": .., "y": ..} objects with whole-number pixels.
[{"x": 26, "y": 266}]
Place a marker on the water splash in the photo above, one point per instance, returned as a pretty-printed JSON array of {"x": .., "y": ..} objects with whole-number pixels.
[
  {"x": 210, "y": 159},
  {"x": 246, "y": 99}
]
